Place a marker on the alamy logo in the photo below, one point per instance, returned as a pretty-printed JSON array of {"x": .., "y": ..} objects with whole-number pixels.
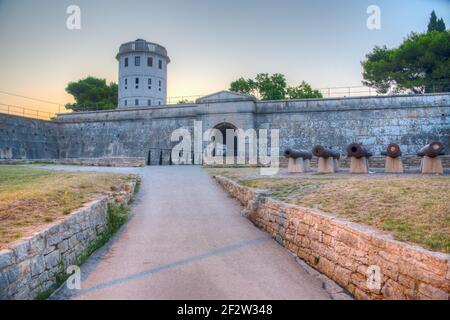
[
  {"x": 373, "y": 277},
  {"x": 242, "y": 147},
  {"x": 73, "y": 21},
  {"x": 374, "y": 20},
  {"x": 74, "y": 280}
]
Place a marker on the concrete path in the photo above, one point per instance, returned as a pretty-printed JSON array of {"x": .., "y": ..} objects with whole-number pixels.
[{"x": 187, "y": 239}]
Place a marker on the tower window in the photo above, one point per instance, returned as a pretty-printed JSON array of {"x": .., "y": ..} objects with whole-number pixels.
[
  {"x": 137, "y": 61},
  {"x": 149, "y": 83},
  {"x": 126, "y": 83},
  {"x": 126, "y": 62},
  {"x": 126, "y": 102},
  {"x": 149, "y": 61},
  {"x": 160, "y": 64},
  {"x": 137, "y": 83},
  {"x": 136, "y": 102},
  {"x": 149, "y": 102},
  {"x": 159, "y": 103},
  {"x": 159, "y": 85}
]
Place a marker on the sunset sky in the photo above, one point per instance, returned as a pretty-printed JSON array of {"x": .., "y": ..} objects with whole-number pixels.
[{"x": 210, "y": 42}]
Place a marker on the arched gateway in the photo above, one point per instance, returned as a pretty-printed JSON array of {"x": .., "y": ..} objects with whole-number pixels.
[{"x": 223, "y": 148}]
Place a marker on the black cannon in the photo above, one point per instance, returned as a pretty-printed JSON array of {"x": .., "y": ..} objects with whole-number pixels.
[
  {"x": 432, "y": 150},
  {"x": 295, "y": 154},
  {"x": 322, "y": 152},
  {"x": 355, "y": 150},
  {"x": 393, "y": 151}
]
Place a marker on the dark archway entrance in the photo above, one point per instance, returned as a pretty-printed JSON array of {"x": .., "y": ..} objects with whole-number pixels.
[{"x": 223, "y": 127}]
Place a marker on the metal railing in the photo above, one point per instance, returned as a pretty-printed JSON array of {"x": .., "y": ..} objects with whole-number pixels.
[
  {"x": 340, "y": 92},
  {"x": 361, "y": 91},
  {"x": 26, "y": 112},
  {"x": 185, "y": 99},
  {"x": 330, "y": 92}
]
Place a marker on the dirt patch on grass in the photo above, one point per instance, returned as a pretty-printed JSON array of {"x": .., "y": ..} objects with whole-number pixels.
[
  {"x": 413, "y": 208},
  {"x": 31, "y": 198}
]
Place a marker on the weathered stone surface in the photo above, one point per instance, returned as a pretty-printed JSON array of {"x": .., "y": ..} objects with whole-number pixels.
[
  {"x": 51, "y": 260},
  {"x": 22, "y": 251},
  {"x": 433, "y": 292},
  {"x": 6, "y": 258},
  {"x": 37, "y": 244},
  {"x": 392, "y": 291},
  {"x": 54, "y": 239},
  {"x": 63, "y": 246},
  {"x": 341, "y": 275},
  {"x": 11, "y": 273},
  {"x": 3, "y": 282},
  {"x": 37, "y": 265},
  {"x": 24, "y": 267}
]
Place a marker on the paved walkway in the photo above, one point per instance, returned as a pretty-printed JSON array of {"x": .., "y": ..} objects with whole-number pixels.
[{"x": 187, "y": 239}]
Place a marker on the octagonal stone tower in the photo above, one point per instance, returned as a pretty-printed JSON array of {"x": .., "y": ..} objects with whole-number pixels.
[{"x": 142, "y": 74}]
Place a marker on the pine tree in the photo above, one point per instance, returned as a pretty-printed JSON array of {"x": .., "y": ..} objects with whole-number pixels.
[
  {"x": 440, "y": 25},
  {"x": 435, "y": 24}
]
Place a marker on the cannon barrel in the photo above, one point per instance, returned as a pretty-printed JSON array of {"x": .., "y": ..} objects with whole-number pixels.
[
  {"x": 358, "y": 151},
  {"x": 392, "y": 151},
  {"x": 322, "y": 152},
  {"x": 295, "y": 154},
  {"x": 432, "y": 150}
]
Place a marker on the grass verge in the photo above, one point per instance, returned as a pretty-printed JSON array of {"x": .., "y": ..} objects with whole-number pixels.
[
  {"x": 30, "y": 197},
  {"x": 413, "y": 208}
]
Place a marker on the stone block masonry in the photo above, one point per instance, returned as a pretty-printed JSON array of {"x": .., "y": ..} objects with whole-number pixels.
[
  {"x": 351, "y": 254},
  {"x": 411, "y": 121},
  {"x": 25, "y": 138},
  {"x": 33, "y": 265},
  {"x": 105, "y": 162}
]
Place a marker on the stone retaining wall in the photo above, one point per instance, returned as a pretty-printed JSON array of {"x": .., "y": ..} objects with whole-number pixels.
[
  {"x": 31, "y": 266},
  {"x": 106, "y": 162},
  {"x": 348, "y": 253}
]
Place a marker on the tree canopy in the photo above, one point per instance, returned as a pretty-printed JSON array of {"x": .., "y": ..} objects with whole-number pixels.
[
  {"x": 436, "y": 24},
  {"x": 273, "y": 87},
  {"x": 420, "y": 64},
  {"x": 92, "y": 94},
  {"x": 303, "y": 91}
]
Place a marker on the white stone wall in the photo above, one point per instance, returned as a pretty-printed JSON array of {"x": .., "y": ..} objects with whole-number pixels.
[{"x": 156, "y": 94}]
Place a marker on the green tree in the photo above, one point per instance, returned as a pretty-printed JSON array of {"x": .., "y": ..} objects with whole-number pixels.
[
  {"x": 243, "y": 86},
  {"x": 420, "y": 64},
  {"x": 435, "y": 24},
  {"x": 92, "y": 94},
  {"x": 271, "y": 87},
  {"x": 303, "y": 91}
]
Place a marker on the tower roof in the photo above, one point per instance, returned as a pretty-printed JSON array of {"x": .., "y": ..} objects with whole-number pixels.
[{"x": 141, "y": 45}]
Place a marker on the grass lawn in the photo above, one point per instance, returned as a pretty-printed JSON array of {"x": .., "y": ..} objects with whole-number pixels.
[
  {"x": 413, "y": 208},
  {"x": 31, "y": 197}
]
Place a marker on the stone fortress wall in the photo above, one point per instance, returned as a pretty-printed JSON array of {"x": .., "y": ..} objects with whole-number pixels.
[
  {"x": 411, "y": 121},
  {"x": 24, "y": 138}
]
